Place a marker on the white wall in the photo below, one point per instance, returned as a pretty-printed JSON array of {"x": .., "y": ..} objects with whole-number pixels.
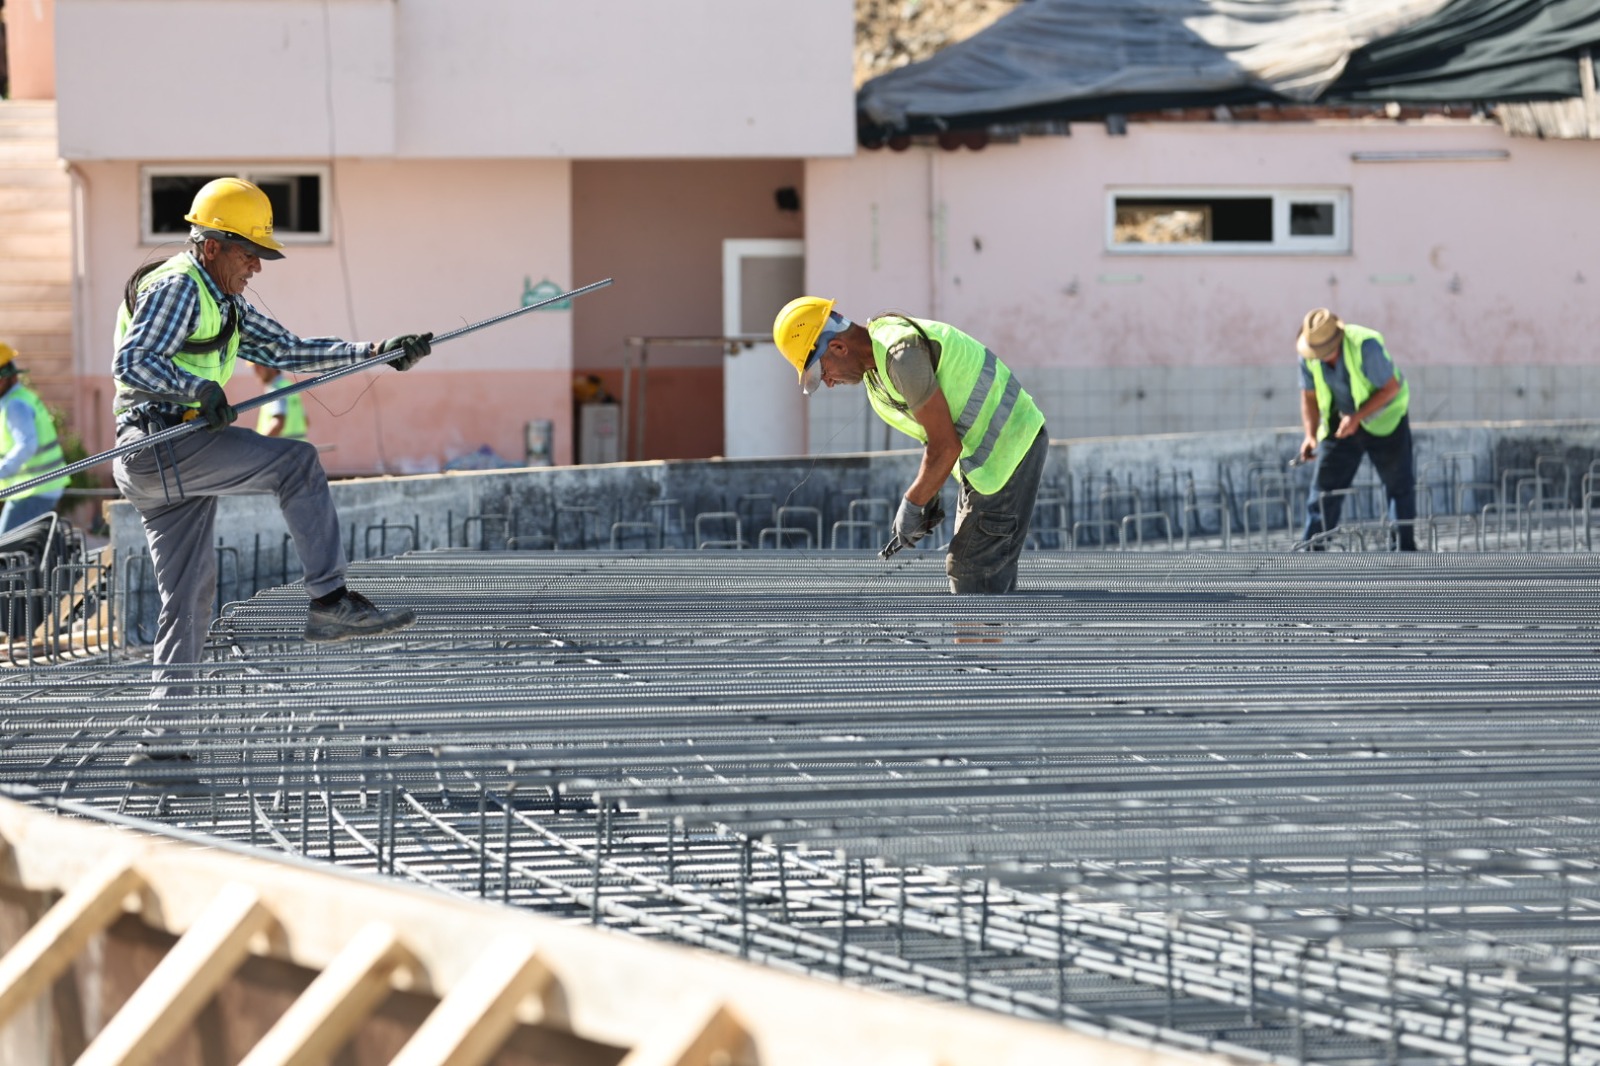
[
  {"x": 1482, "y": 275},
  {"x": 271, "y": 79},
  {"x": 254, "y": 79}
]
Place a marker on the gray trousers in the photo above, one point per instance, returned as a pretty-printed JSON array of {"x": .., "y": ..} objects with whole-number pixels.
[
  {"x": 180, "y": 527},
  {"x": 991, "y": 530}
]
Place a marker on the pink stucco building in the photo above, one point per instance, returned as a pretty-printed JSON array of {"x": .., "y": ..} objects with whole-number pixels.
[
  {"x": 438, "y": 160},
  {"x": 1474, "y": 252}
]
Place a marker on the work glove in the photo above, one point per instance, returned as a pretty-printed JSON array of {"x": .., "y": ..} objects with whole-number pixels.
[
  {"x": 413, "y": 347},
  {"x": 913, "y": 522},
  {"x": 215, "y": 408}
]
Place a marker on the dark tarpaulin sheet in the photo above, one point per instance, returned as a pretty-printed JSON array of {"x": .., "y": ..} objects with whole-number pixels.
[
  {"x": 1490, "y": 50},
  {"x": 1070, "y": 59}
]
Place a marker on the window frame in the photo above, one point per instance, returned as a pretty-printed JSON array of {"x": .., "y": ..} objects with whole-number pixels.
[
  {"x": 322, "y": 172},
  {"x": 1282, "y": 198}
]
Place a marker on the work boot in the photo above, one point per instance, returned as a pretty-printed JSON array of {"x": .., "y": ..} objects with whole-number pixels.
[{"x": 353, "y": 615}]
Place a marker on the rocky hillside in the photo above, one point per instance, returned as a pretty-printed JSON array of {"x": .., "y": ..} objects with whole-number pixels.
[{"x": 892, "y": 33}]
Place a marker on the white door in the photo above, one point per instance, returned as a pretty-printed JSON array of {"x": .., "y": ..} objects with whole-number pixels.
[{"x": 763, "y": 412}]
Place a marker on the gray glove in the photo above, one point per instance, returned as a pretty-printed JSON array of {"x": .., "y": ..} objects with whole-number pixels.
[
  {"x": 215, "y": 409},
  {"x": 913, "y": 522},
  {"x": 413, "y": 347}
]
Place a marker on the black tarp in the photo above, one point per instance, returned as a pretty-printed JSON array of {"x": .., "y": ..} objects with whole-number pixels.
[
  {"x": 1499, "y": 51},
  {"x": 1052, "y": 60}
]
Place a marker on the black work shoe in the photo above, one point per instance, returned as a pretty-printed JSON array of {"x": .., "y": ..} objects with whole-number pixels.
[
  {"x": 154, "y": 769},
  {"x": 353, "y": 616}
]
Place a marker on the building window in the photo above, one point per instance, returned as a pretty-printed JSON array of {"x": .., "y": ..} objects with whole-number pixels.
[
  {"x": 299, "y": 197},
  {"x": 1243, "y": 221}
]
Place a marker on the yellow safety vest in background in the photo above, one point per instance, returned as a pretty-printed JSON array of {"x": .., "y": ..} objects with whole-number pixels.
[
  {"x": 46, "y": 458},
  {"x": 294, "y": 413}
]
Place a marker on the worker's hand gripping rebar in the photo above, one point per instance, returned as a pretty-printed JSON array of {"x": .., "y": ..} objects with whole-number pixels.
[
  {"x": 932, "y": 519},
  {"x": 183, "y": 429}
]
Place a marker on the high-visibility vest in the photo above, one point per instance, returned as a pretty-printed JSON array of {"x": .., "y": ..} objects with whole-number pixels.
[
  {"x": 294, "y": 413},
  {"x": 994, "y": 416},
  {"x": 45, "y": 458},
  {"x": 1385, "y": 421},
  {"x": 208, "y": 352}
]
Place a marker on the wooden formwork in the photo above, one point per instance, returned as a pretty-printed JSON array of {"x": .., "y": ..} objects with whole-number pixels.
[{"x": 122, "y": 946}]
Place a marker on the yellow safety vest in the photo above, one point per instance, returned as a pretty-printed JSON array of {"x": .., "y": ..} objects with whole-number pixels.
[
  {"x": 994, "y": 416},
  {"x": 294, "y": 413},
  {"x": 48, "y": 455},
  {"x": 208, "y": 352},
  {"x": 1384, "y": 422}
]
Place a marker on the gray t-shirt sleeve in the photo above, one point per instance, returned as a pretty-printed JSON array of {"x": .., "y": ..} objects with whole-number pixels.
[
  {"x": 911, "y": 372},
  {"x": 1375, "y": 363}
]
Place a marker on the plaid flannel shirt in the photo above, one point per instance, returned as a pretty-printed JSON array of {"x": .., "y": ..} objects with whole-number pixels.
[{"x": 164, "y": 317}]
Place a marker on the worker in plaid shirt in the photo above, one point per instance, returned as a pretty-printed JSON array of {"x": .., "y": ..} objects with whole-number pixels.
[{"x": 182, "y": 326}]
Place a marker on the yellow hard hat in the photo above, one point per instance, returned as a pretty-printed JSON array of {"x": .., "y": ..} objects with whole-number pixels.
[
  {"x": 7, "y": 355},
  {"x": 239, "y": 207},
  {"x": 795, "y": 332}
]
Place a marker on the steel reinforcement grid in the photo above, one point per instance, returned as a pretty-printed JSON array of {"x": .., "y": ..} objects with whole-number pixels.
[{"x": 1335, "y": 807}]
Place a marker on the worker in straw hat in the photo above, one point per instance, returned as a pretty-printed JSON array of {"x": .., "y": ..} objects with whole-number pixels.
[
  {"x": 182, "y": 325},
  {"x": 946, "y": 390},
  {"x": 1353, "y": 403},
  {"x": 29, "y": 447}
]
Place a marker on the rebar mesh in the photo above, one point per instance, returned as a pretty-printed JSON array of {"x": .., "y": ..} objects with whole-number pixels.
[{"x": 1332, "y": 808}]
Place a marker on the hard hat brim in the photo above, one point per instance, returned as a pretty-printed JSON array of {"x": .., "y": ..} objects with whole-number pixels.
[{"x": 260, "y": 250}]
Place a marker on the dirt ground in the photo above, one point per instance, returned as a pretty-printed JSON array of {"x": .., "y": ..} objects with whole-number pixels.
[{"x": 892, "y": 33}]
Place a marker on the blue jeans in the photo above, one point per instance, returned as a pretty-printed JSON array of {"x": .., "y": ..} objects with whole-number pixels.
[
  {"x": 25, "y": 509},
  {"x": 1337, "y": 463}
]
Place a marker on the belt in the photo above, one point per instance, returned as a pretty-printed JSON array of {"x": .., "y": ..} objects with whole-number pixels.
[{"x": 155, "y": 422}]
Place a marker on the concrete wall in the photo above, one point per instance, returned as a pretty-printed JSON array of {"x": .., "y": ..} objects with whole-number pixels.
[
  {"x": 1480, "y": 274},
  {"x": 575, "y": 507}
]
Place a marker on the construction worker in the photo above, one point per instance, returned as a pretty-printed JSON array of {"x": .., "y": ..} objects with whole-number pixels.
[
  {"x": 285, "y": 416},
  {"x": 28, "y": 447},
  {"x": 941, "y": 387},
  {"x": 181, "y": 326},
  {"x": 1353, "y": 403}
]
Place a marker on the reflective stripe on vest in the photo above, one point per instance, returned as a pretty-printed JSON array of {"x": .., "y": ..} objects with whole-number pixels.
[
  {"x": 46, "y": 458},
  {"x": 1385, "y": 421},
  {"x": 215, "y": 365},
  {"x": 998, "y": 420},
  {"x": 294, "y": 413}
]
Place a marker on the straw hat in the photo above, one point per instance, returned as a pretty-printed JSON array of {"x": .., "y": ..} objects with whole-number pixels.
[{"x": 1320, "y": 334}]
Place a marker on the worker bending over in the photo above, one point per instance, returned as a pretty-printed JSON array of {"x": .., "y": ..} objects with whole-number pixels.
[{"x": 941, "y": 387}]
